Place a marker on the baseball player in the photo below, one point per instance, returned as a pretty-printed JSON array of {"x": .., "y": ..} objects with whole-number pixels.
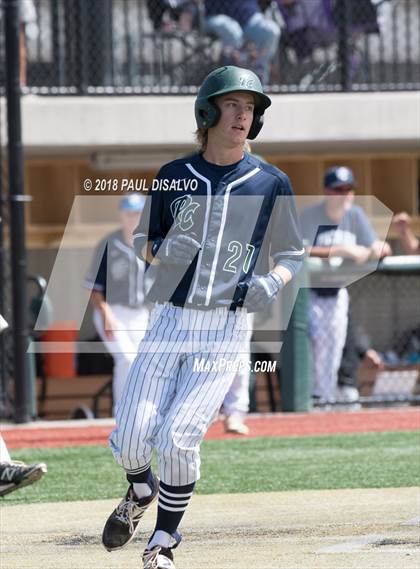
[
  {"x": 115, "y": 278},
  {"x": 15, "y": 474},
  {"x": 209, "y": 254},
  {"x": 335, "y": 228},
  {"x": 236, "y": 403}
]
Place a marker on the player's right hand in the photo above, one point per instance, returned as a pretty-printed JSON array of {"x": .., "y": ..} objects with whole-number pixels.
[
  {"x": 110, "y": 324},
  {"x": 177, "y": 250},
  {"x": 262, "y": 291}
]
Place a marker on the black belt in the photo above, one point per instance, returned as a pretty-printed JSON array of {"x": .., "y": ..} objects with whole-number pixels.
[{"x": 201, "y": 307}]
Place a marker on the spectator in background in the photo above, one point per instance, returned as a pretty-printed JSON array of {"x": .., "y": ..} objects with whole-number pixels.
[
  {"x": 410, "y": 243},
  {"x": 409, "y": 344},
  {"x": 335, "y": 228},
  {"x": 116, "y": 278},
  {"x": 308, "y": 25},
  {"x": 249, "y": 38},
  {"x": 27, "y": 27},
  {"x": 166, "y": 15},
  {"x": 356, "y": 350}
]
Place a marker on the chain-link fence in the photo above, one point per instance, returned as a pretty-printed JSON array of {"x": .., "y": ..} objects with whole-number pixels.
[
  {"x": 168, "y": 46},
  {"x": 386, "y": 308},
  {"x": 365, "y": 338}
]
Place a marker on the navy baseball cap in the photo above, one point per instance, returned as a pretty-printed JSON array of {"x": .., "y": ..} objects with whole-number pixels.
[
  {"x": 133, "y": 202},
  {"x": 339, "y": 176}
]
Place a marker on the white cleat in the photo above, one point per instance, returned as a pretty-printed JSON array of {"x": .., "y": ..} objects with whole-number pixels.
[
  {"x": 347, "y": 394},
  {"x": 158, "y": 558},
  {"x": 235, "y": 424}
]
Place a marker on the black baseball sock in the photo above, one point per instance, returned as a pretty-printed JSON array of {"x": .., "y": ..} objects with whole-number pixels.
[
  {"x": 144, "y": 476},
  {"x": 142, "y": 482},
  {"x": 173, "y": 501}
]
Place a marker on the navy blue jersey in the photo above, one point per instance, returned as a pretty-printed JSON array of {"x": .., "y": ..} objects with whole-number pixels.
[{"x": 242, "y": 215}]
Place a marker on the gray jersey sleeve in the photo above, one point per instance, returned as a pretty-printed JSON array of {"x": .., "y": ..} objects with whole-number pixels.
[{"x": 365, "y": 234}]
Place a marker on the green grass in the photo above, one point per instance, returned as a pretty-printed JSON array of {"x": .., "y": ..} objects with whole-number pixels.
[{"x": 374, "y": 460}]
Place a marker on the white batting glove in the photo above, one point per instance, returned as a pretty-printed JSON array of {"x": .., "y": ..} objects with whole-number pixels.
[{"x": 262, "y": 291}]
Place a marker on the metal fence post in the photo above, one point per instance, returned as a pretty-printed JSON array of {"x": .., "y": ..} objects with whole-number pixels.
[
  {"x": 17, "y": 218},
  {"x": 296, "y": 377},
  {"x": 98, "y": 50},
  {"x": 343, "y": 24}
]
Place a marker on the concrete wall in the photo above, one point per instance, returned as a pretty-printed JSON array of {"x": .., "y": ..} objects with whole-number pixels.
[{"x": 294, "y": 123}]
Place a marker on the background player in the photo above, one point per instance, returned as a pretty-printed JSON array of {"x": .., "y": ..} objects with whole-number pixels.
[
  {"x": 116, "y": 279},
  {"x": 15, "y": 474},
  {"x": 236, "y": 402},
  {"x": 208, "y": 259},
  {"x": 409, "y": 242},
  {"x": 335, "y": 228}
]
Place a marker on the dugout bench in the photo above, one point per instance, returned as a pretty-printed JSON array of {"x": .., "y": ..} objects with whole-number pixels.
[{"x": 79, "y": 397}]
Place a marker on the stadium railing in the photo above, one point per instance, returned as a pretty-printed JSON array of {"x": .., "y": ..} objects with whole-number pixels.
[{"x": 162, "y": 46}]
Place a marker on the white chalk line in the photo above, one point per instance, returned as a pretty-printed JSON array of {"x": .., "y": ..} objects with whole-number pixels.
[
  {"x": 353, "y": 544},
  {"x": 412, "y": 522}
]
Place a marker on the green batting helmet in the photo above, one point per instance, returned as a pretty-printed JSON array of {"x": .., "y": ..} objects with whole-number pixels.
[{"x": 226, "y": 80}]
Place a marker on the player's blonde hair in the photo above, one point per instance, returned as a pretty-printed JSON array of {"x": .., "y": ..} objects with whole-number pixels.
[
  {"x": 201, "y": 138},
  {"x": 202, "y": 135}
]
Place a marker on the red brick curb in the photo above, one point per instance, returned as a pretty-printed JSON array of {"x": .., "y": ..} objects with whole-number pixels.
[{"x": 270, "y": 425}]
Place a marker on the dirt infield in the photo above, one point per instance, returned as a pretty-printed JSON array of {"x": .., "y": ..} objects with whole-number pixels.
[
  {"x": 338, "y": 529},
  {"x": 72, "y": 433}
]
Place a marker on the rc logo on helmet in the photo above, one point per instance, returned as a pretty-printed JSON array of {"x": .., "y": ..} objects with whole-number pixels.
[{"x": 246, "y": 82}]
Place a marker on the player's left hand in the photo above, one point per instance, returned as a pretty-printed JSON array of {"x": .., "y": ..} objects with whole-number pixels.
[
  {"x": 262, "y": 290},
  {"x": 177, "y": 250}
]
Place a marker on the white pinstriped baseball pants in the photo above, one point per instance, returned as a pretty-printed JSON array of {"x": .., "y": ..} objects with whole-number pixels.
[
  {"x": 328, "y": 317},
  {"x": 166, "y": 403}
]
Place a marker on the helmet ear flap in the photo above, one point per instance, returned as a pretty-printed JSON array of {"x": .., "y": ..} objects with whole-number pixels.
[
  {"x": 207, "y": 114},
  {"x": 256, "y": 126}
]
